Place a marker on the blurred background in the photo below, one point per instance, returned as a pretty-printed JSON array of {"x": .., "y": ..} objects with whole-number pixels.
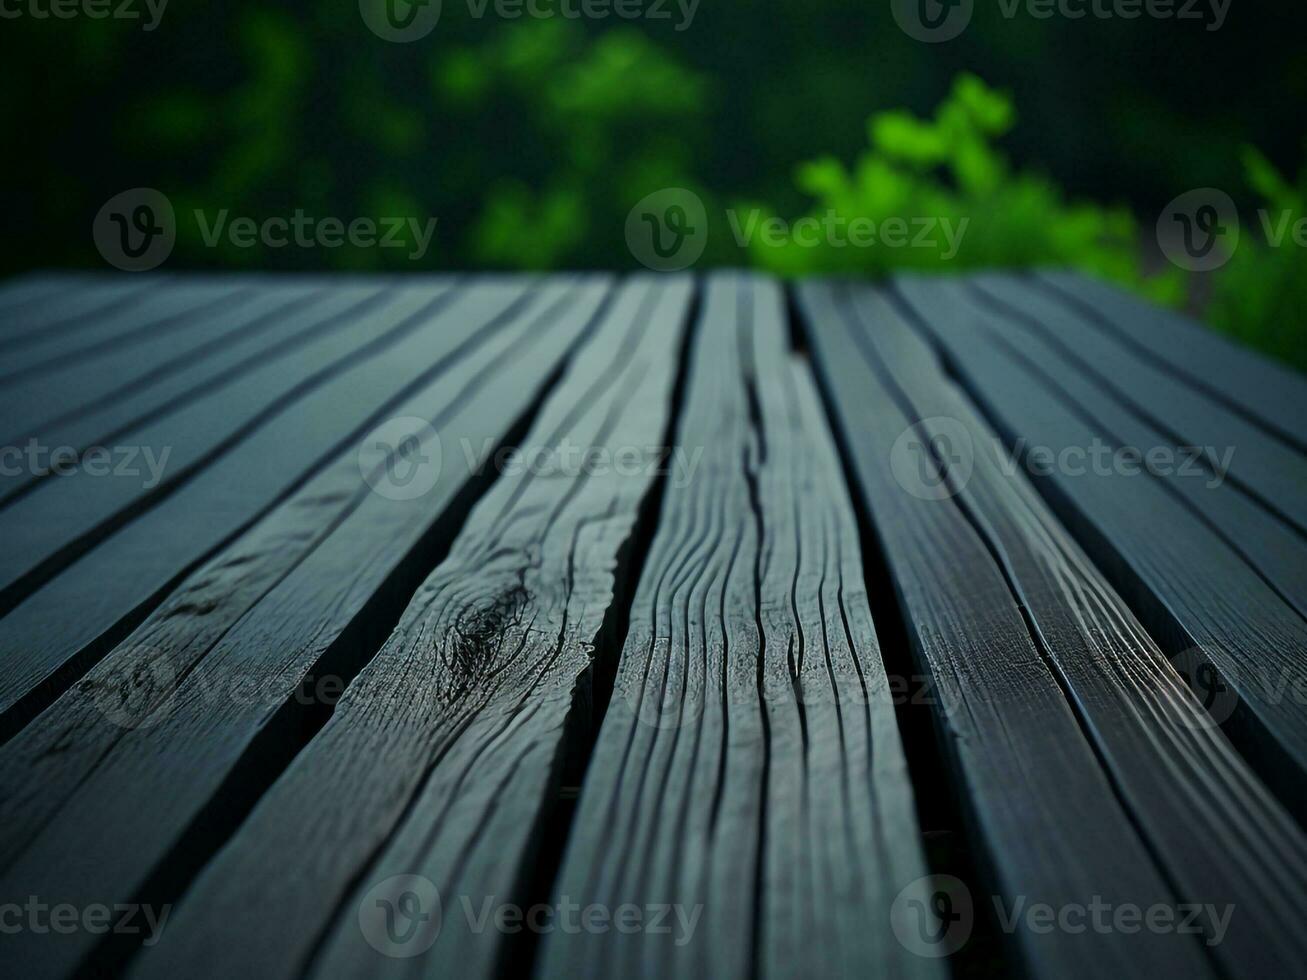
[{"x": 529, "y": 140}]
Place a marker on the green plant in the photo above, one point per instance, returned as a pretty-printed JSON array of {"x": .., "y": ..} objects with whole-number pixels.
[
  {"x": 1260, "y": 296},
  {"x": 946, "y": 169},
  {"x": 615, "y": 116}
]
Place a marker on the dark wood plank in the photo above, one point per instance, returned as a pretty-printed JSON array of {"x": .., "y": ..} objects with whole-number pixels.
[
  {"x": 36, "y": 289},
  {"x": 1217, "y": 834},
  {"x": 41, "y": 407},
  {"x": 64, "y": 516},
  {"x": 1194, "y": 593},
  {"x": 1028, "y": 328},
  {"x": 1042, "y": 811},
  {"x": 204, "y": 693},
  {"x": 749, "y": 768},
  {"x": 1243, "y": 379},
  {"x": 448, "y": 744},
  {"x": 42, "y": 647},
  {"x": 75, "y": 305},
  {"x": 201, "y": 319},
  {"x": 1262, "y": 464}
]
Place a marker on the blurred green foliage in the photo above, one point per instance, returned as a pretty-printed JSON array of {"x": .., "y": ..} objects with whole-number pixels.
[
  {"x": 947, "y": 168},
  {"x": 1260, "y": 297},
  {"x": 530, "y": 140}
]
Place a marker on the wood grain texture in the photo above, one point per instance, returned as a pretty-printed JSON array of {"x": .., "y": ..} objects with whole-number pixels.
[
  {"x": 1262, "y": 464},
  {"x": 43, "y": 648},
  {"x": 748, "y": 772},
  {"x": 31, "y": 291},
  {"x": 1218, "y": 836},
  {"x": 1246, "y": 381},
  {"x": 62, "y": 517},
  {"x": 207, "y": 318},
  {"x": 147, "y": 746},
  {"x": 1035, "y": 330},
  {"x": 47, "y": 321},
  {"x": 1195, "y": 594},
  {"x": 97, "y": 406},
  {"x": 449, "y": 742},
  {"x": 1043, "y": 813}
]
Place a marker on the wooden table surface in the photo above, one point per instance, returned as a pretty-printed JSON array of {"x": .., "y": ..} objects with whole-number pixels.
[{"x": 573, "y": 625}]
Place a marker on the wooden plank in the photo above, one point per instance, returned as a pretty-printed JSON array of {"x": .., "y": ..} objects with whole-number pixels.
[
  {"x": 31, "y": 291},
  {"x": 76, "y": 306},
  {"x": 42, "y": 648},
  {"x": 1243, "y": 379},
  {"x": 1216, "y": 833},
  {"x": 170, "y": 308},
  {"x": 749, "y": 770},
  {"x": 448, "y": 744},
  {"x": 1262, "y": 464},
  {"x": 1028, "y": 327},
  {"x": 1194, "y": 593},
  {"x": 296, "y": 597},
  {"x": 1043, "y": 814},
  {"x": 184, "y": 319},
  {"x": 33, "y": 407},
  {"x": 65, "y": 515}
]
